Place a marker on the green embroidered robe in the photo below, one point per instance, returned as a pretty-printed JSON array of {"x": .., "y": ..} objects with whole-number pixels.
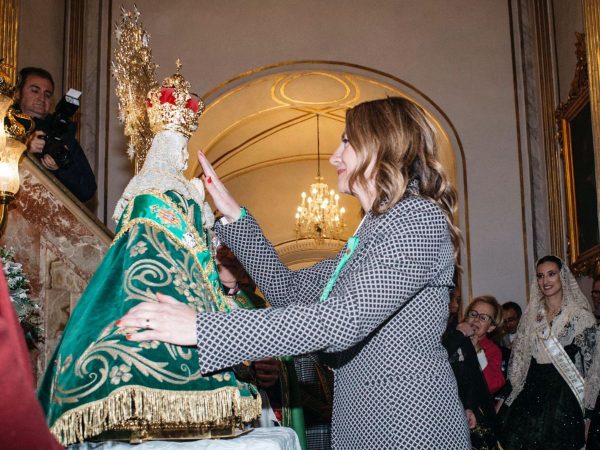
[{"x": 98, "y": 381}]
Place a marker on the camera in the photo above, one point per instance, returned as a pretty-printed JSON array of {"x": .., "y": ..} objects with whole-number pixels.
[{"x": 56, "y": 127}]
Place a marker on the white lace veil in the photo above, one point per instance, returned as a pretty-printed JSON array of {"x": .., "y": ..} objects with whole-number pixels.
[
  {"x": 163, "y": 171},
  {"x": 575, "y": 311}
]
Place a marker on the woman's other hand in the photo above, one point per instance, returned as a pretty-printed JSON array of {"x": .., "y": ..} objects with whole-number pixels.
[
  {"x": 498, "y": 405},
  {"x": 217, "y": 190},
  {"x": 167, "y": 320},
  {"x": 465, "y": 329},
  {"x": 267, "y": 372},
  {"x": 471, "y": 419}
]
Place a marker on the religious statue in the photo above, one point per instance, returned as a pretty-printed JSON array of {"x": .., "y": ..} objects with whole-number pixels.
[{"x": 100, "y": 385}]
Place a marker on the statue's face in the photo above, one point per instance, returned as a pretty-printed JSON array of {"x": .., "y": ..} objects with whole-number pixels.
[
  {"x": 180, "y": 150},
  {"x": 171, "y": 147},
  {"x": 169, "y": 151},
  {"x": 184, "y": 155}
]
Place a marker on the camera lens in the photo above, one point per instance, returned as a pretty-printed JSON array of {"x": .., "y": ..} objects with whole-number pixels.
[{"x": 59, "y": 153}]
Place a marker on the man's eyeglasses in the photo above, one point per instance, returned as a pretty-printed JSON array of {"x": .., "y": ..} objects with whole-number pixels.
[{"x": 480, "y": 316}]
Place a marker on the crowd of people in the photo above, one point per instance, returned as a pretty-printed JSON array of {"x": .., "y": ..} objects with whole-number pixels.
[
  {"x": 405, "y": 377},
  {"x": 530, "y": 381}
]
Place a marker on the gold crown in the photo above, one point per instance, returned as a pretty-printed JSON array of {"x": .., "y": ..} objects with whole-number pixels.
[{"x": 172, "y": 106}]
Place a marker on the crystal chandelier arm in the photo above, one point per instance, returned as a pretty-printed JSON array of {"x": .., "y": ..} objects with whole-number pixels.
[{"x": 280, "y": 285}]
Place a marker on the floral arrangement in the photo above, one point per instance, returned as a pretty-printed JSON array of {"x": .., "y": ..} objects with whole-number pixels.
[{"x": 28, "y": 311}]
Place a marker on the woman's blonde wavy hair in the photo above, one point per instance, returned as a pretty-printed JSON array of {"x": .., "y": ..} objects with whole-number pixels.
[{"x": 398, "y": 136}]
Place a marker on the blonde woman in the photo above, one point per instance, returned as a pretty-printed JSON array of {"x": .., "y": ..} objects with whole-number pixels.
[
  {"x": 484, "y": 315},
  {"x": 377, "y": 311},
  {"x": 476, "y": 362}
]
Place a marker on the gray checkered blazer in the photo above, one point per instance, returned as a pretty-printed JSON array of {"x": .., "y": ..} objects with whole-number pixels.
[{"x": 380, "y": 330}]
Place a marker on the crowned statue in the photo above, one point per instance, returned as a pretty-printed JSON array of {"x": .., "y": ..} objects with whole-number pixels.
[{"x": 99, "y": 385}]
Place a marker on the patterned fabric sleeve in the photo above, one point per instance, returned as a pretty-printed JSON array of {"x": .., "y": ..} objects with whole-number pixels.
[
  {"x": 280, "y": 285},
  {"x": 586, "y": 341},
  {"x": 402, "y": 259},
  {"x": 592, "y": 380},
  {"x": 588, "y": 362}
]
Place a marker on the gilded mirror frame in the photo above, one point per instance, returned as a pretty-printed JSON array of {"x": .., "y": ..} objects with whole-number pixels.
[{"x": 575, "y": 137}]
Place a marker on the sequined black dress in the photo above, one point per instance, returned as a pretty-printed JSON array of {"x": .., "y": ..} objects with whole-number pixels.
[{"x": 546, "y": 414}]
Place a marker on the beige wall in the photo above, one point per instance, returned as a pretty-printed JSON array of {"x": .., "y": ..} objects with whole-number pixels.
[{"x": 41, "y": 36}]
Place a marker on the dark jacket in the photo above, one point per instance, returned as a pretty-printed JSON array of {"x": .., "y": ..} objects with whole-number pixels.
[
  {"x": 77, "y": 176},
  {"x": 472, "y": 387}
]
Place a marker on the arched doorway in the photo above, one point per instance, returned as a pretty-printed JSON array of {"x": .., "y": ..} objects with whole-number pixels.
[{"x": 259, "y": 130}]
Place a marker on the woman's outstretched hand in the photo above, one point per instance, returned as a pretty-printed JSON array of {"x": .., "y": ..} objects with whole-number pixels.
[
  {"x": 219, "y": 193},
  {"x": 167, "y": 320}
]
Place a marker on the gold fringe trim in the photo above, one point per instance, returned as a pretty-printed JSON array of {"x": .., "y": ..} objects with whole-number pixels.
[{"x": 137, "y": 407}]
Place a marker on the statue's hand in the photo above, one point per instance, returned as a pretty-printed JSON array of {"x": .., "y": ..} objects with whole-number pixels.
[{"x": 167, "y": 320}]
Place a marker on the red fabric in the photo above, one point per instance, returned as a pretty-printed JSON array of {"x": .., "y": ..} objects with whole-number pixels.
[
  {"x": 493, "y": 371},
  {"x": 192, "y": 104},
  {"x": 166, "y": 95},
  {"x": 22, "y": 422}
]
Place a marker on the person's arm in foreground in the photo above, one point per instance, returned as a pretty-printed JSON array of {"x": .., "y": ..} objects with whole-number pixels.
[
  {"x": 22, "y": 423},
  {"x": 280, "y": 285}
]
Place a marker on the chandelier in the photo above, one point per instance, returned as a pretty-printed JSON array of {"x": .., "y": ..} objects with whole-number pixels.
[{"x": 319, "y": 215}]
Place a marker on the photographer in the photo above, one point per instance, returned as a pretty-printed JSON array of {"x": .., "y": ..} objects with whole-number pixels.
[{"x": 54, "y": 142}]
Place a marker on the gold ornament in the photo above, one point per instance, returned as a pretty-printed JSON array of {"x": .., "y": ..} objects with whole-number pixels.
[
  {"x": 18, "y": 125},
  {"x": 173, "y": 107},
  {"x": 6, "y": 86},
  {"x": 144, "y": 107},
  {"x": 135, "y": 75}
]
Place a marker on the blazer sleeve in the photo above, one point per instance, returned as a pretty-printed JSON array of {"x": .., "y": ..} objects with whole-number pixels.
[
  {"x": 401, "y": 261},
  {"x": 280, "y": 285}
]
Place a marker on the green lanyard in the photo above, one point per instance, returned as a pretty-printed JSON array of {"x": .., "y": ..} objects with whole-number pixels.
[{"x": 350, "y": 246}]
